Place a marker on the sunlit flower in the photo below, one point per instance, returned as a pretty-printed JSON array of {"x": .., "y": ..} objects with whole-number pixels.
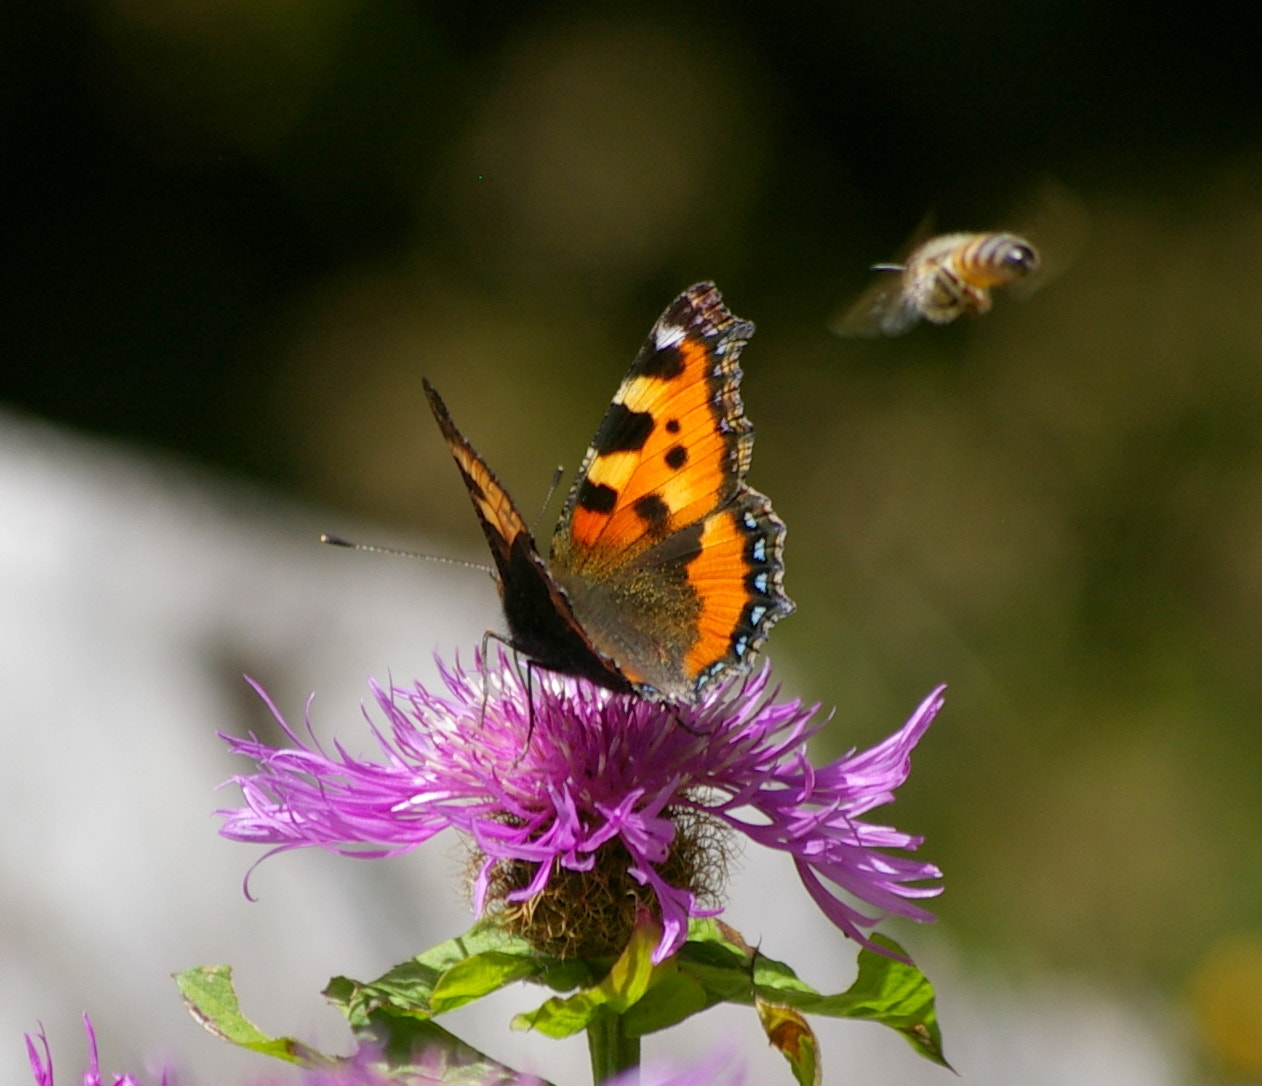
[{"x": 578, "y": 798}]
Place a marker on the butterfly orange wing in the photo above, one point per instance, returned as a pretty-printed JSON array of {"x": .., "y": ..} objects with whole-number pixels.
[{"x": 671, "y": 562}]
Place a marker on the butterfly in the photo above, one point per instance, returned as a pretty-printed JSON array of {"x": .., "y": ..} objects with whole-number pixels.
[{"x": 666, "y": 567}]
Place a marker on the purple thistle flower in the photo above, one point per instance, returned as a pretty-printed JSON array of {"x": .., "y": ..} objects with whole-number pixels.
[
  {"x": 42, "y": 1065},
  {"x": 609, "y": 784},
  {"x": 716, "y": 1069},
  {"x": 430, "y": 1068}
]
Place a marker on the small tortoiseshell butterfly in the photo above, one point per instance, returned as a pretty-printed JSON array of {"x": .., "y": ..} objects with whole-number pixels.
[{"x": 666, "y": 568}]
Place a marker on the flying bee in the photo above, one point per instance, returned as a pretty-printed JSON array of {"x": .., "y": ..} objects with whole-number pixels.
[
  {"x": 943, "y": 278},
  {"x": 946, "y": 275}
]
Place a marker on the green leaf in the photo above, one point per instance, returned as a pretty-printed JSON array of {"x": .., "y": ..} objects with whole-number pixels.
[
  {"x": 729, "y": 970},
  {"x": 481, "y": 975},
  {"x": 897, "y": 994},
  {"x": 894, "y": 993},
  {"x": 210, "y": 998},
  {"x": 718, "y": 955},
  {"x": 400, "y": 1038},
  {"x": 789, "y": 1032},
  {"x": 715, "y": 965},
  {"x": 673, "y": 997},
  {"x": 447, "y": 1058},
  {"x": 450, "y": 975},
  {"x": 777, "y": 976},
  {"x": 634, "y": 971},
  {"x": 623, "y": 986}
]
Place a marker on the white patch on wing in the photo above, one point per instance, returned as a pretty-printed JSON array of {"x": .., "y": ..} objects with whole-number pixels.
[{"x": 666, "y": 335}]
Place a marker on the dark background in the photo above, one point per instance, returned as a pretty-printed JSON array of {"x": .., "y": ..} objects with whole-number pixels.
[{"x": 240, "y": 232}]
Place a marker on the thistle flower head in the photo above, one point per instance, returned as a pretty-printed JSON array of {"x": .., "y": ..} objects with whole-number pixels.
[{"x": 578, "y": 801}]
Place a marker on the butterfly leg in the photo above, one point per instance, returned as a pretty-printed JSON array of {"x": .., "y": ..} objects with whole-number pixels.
[
  {"x": 492, "y": 635},
  {"x": 487, "y": 637},
  {"x": 674, "y": 715},
  {"x": 530, "y": 708}
]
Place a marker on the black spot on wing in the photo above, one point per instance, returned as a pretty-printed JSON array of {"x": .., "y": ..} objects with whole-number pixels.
[
  {"x": 665, "y": 364},
  {"x": 677, "y": 457},
  {"x": 622, "y": 430},
  {"x": 672, "y": 426},
  {"x": 597, "y": 497},
  {"x": 654, "y": 512}
]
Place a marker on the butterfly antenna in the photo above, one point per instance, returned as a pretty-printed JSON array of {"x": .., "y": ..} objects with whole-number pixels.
[
  {"x": 338, "y": 541},
  {"x": 888, "y": 267},
  {"x": 552, "y": 489}
]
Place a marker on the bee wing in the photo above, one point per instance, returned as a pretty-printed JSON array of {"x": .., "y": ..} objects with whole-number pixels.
[
  {"x": 881, "y": 310},
  {"x": 1057, "y": 223}
]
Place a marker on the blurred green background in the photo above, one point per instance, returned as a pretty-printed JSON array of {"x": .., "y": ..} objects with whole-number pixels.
[{"x": 242, "y": 230}]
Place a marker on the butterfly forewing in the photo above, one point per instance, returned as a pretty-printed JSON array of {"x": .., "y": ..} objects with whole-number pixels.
[
  {"x": 672, "y": 564},
  {"x": 500, "y": 520},
  {"x": 539, "y": 617},
  {"x": 673, "y": 446}
]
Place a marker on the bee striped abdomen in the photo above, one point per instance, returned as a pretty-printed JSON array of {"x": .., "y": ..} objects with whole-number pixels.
[
  {"x": 994, "y": 260},
  {"x": 954, "y": 274}
]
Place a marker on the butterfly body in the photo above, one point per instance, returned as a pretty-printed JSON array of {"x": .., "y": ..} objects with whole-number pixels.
[{"x": 665, "y": 568}]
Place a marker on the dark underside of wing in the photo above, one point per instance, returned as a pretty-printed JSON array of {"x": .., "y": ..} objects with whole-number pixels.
[
  {"x": 543, "y": 625},
  {"x": 540, "y": 622}
]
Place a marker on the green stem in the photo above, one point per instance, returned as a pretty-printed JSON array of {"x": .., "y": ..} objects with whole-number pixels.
[{"x": 612, "y": 1051}]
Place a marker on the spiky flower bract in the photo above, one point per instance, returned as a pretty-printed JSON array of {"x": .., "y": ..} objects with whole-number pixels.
[
  {"x": 578, "y": 800},
  {"x": 430, "y": 1067},
  {"x": 42, "y": 1064}
]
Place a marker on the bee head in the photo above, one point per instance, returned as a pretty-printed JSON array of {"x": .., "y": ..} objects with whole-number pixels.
[{"x": 1022, "y": 258}]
